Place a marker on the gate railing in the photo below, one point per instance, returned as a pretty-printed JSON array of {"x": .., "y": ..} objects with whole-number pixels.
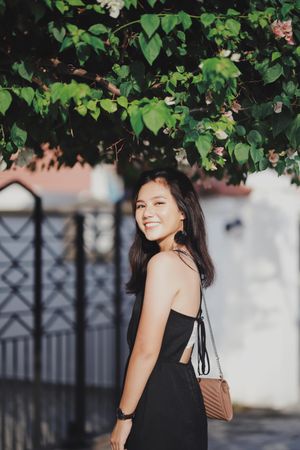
[{"x": 61, "y": 326}]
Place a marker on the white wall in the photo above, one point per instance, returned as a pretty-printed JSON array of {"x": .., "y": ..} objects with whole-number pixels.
[{"x": 254, "y": 303}]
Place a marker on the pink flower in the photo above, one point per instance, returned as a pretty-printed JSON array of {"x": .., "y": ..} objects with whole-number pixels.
[
  {"x": 273, "y": 157},
  {"x": 277, "y": 29},
  {"x": 219, "y": 150},
  {"x": 235, "y": 106},
  {"x": 208, "y": 98},
  {"x": 283, "y": 29},
  {"x": 277, "y": 107},
  {"x": 229, "y": 116},
  {"x": 286, "y": 26}
]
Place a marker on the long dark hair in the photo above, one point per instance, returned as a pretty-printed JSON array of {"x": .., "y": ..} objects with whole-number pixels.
[{"x": 187, "y": 201}]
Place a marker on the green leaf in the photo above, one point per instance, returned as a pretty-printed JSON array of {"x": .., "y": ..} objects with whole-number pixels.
[
  {"x": 240, "y": 130},
  {"x": 204, "y": 144},
  {"x": 154, "y": 116},
  {"x": 263, "y": 163},
  {"x": 92, "y": 105},
  {"x": 272, "y": 73},
  {"x": 82, "y": 110},
  {"x": 150, "y": 48},
  {"x": 169, "y": 22},
  {"x": 18, "y": 135},
  {"x": 275, "y": 55},
  {"x": 254, "y": 137},
  {"x": 281, "y": 121},
  {"x": 241, "y": 152},
  {"x": 136, "y": 119},
  {"x": 207, "y": 19},
  {"x": 5, "y": 101},
  {"x": 293, "y": 132},
  {"x": 96, "y": 43},
  {"x": 73, "y": 29},
  {"x": 27, "y": 93},
  {"x": 233, "y": 26},
  {"x": 150, "y": 23},
  {"x": 24, "y": 70},
  {"x": 122, "y": 101},
  {"x": 108, "y": 105},
  {"x": 280, "y": 167},
  {"x": 67, "y": 42},
  {"x": 95, "y": 114},
  {"x": 98, "y": 29},
  {"x": 75, "y": 2},
  {"x": 290, "y": 88},
  {"x": 59, "y": 34},
  {"x": 129, "y": 3},
  {"x": 185, "y": 20},
  {"x": 152, "y": 2},
  {"x": 83, "y": 52},
  {"x": 256, "y": 153},
  {"x": 60, "y": 5},
  {"x": 232, "y": 12},
  {"x": 126, "y": 88}
]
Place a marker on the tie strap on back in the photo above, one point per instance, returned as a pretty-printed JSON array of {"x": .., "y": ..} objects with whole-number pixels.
[{"x": 202, "y": 350}]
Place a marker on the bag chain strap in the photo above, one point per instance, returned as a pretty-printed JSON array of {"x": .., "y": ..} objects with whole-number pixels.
[{"x": 212, "y": 337}]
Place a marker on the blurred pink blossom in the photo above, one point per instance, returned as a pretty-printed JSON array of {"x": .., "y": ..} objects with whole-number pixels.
[
  {"x": 235, "y": 106},
  {"x": 273, "y": 157},
  {"x": 277, "y": 107},
  {"x": 219, "y": 150},
  {"x": 208, "y": 98},
  {"x": 283, "y": 29},
  {"x": 228, "y": 114}
]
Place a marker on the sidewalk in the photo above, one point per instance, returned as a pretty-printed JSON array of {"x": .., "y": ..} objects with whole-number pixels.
[{"x": 249, "y": 430}]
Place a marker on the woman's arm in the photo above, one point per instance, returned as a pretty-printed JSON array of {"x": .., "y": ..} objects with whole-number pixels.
[{"x": 160, "y": 290}]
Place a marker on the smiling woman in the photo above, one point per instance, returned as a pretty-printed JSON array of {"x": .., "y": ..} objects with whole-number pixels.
[
  {"x": 158, "y": 215},
  {"x": 161, "y": 406}
]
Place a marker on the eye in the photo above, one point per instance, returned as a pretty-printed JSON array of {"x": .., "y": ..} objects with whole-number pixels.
[
  {"x": 160, "y": 203},
  {"x": 138, "y": 206}
]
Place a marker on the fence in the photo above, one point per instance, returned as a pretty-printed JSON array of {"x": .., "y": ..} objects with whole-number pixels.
[{"x": 62, "y": 324}]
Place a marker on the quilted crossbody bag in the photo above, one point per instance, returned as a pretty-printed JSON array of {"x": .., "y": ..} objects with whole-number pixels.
[{"x": 215, "y": 391}]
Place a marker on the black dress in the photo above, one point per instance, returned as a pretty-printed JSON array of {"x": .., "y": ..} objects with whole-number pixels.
[{"x": 170, "y": 414}]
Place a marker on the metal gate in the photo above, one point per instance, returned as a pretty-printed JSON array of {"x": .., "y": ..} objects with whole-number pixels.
[{"x": 62, "y": 324}]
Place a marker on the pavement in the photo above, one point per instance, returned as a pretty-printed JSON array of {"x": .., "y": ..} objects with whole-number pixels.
[{"x": 253, "y": 429}]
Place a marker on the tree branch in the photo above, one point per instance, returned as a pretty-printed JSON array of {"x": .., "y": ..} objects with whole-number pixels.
[{"x": 82, "y": 73}]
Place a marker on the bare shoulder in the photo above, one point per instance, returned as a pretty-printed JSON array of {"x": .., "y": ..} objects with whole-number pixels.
[{"x": 163, "y": 261}]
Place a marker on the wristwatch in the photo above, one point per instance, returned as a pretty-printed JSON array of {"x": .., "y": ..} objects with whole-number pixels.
[{"x": 122, "y": 416}]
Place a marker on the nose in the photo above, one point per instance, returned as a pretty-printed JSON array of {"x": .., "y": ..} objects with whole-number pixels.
[{"x": 148, "y": 211}]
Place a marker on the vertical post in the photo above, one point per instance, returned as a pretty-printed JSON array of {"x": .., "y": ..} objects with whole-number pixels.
[
  {"x": 80, "y": 330},
  {"x": 37, "y": 317},
  {"x": 117, "y": 252}
]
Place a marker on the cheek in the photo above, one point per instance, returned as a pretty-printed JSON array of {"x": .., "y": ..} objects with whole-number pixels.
[{"x": 138, "y": 217}]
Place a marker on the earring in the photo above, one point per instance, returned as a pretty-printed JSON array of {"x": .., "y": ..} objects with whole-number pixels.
[{"x": 180, "y": 237}]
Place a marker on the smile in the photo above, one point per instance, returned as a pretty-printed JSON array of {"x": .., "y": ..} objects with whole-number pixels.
[{"x": 151, "y": 225}]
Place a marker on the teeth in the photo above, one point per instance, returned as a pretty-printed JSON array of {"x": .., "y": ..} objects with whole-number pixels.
[{"x": 151, "y": 225}]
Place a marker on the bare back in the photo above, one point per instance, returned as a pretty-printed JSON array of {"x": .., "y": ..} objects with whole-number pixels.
[{"x": 187, "y": 299}]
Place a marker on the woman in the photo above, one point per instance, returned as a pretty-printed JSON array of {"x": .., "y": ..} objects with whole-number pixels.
[{"x": 161, "y": 407}]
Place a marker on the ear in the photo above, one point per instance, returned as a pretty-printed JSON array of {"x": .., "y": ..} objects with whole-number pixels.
[{"x": 182, "y": 215}]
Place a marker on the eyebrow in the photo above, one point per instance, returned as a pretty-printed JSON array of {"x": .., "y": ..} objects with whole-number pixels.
[{"x": 156, "y": 196}]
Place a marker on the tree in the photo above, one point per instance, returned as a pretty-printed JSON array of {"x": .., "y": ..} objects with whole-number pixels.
[{"x": 213, "y": 83}]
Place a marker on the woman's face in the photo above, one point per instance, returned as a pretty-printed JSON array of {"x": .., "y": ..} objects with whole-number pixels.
[{"x": 157, "y": 213}]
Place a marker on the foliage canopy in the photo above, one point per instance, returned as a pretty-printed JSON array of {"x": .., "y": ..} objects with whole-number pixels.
[{"x": 212, "y": 83}]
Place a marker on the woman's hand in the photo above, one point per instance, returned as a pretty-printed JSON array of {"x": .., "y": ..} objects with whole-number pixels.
[{"x": 120, "y": 433}]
